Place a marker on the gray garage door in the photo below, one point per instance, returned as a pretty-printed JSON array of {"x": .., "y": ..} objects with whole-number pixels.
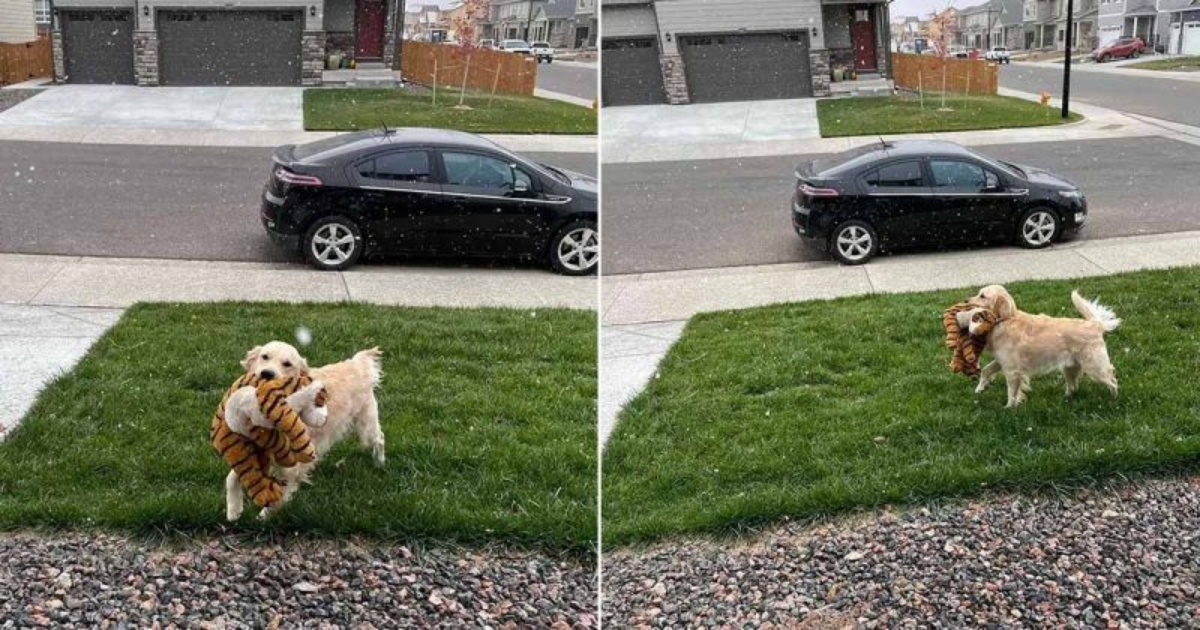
[
  {"x": 229, "y": 47},
  {"x": 98, "y": 46},
  {"x": 631, "y": 74},
  {"x": 746, "y": 67}
]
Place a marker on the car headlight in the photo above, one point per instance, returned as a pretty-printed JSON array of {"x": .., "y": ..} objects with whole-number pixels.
[
  {"x": 1070, "y": 194},
  {"x": 1080, "y": 217}
]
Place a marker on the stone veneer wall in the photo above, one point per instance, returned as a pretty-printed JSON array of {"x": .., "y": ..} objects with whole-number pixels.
[
  {"x": 56, "y": 47},
  {"x": 818, "y": 65},
  {"x": 841, "y": 57},
  {"x": 312, "y": 52},
  {"x": 389, "y": 43},
  {"x": 881, "y": 61},
  {"x": 145, "y": 57},
  {"x": 674, "y": 79}
]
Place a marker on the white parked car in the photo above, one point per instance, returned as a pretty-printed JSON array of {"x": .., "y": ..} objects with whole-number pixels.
[
  {"x": 542, "y": 52},
  {"x": 519, "y": 46},
  {"x": 999, "y": 54}
]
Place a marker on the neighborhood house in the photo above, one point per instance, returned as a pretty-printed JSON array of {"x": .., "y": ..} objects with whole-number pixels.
[{"x": 696, "y": 51}]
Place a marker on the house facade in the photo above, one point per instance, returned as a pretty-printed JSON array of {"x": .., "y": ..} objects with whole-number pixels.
[
  {"x": 1178, "y": 27},
  {"x": 17, "y": 23},
  {"x": 683, "y": 51},
  {"x": 1084, "y": 26},
  {"x": 554, "y": 22},
  {"x": 1008, "y": 25},
  {"x": 218, "y": 42},
  {"x": 510, "y": 19},
  {"x": 1041, "y": 20},
  {"x": 587, "y": 27}
]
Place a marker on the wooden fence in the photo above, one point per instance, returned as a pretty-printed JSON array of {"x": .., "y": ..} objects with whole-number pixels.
[
  {"x": 974, "y": 76},
  {"x": 508, "y": 73},
  {"x": 21, "y": 62}
]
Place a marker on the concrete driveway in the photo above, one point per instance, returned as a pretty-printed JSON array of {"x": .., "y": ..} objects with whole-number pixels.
[
  {"x": 712, "y": 123},
  {"x": 180, "y": 108}
]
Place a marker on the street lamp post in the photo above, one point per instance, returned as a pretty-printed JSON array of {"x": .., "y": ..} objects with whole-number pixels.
[{"x": 1066, "y": 105}]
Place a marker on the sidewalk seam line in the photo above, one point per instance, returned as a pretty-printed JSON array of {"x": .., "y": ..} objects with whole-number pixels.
[
  {"x": 1082, "y": 254},
  {"x": 50, "y": 279}
]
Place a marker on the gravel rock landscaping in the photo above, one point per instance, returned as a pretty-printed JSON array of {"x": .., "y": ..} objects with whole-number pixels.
[
  {"x": 1122, "y": 556},
  {"x": 103, "y": 581}
]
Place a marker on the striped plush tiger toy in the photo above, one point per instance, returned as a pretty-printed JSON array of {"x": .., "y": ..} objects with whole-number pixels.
[
  {"x": 967, "y": 346},
  {"x": 277, "y": 437}
]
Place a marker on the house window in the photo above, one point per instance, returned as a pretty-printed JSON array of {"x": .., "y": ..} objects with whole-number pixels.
[{"x": 41, "y": 11}]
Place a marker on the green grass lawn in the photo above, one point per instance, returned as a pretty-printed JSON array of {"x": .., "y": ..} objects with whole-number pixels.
[
  {"x": 489, "y": 417},
  {"x": 810, "y": 409},
  {"x": 869, "y": 116},
  {"x": 1179, "y": 63},
  {"x": 351, "y": 109}
]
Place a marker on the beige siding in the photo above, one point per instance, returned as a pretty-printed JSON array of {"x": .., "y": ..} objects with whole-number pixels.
[
  {"x": 627, "y": 21},
  {"x": 16, "y": 22},
  {"x": 727, "y": 16}
]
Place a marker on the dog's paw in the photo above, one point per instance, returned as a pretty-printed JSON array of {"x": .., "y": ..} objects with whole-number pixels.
[
  {"x": 265, "y": 514},
  {"x": 233, "y": 513},
  {"x": 379, "y": 454}
]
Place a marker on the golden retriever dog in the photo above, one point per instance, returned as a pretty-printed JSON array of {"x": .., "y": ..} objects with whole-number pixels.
[
  {"x": 350, "y": 406},
  {"x": 1024, "y": 345}
]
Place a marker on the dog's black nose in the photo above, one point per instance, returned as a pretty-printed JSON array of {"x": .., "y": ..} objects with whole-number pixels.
[{"x": 267, "y": 374}]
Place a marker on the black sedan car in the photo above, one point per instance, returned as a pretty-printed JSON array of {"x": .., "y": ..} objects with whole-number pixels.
[
  {"x": 428, "y": 192},
  {"x": 905, "y": 193}
]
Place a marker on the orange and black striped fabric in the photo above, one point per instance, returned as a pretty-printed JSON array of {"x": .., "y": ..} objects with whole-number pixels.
[
  {"x": 967, "y": 347},
  {"x": 287, "y": 444}
]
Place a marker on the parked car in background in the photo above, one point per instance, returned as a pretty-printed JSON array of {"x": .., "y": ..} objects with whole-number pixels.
[
  {"x": 896, "y": 194},
  {"x": 519, "y": 46},
  {"x": 999, "y": 54},
  {"x": 542, "y": 52},
  {"x": 958, "y": 52},
  {"x": 487, "y": 44},
  {"x": 427, "y": 192},
  {"x": 1123, "y": 48}
]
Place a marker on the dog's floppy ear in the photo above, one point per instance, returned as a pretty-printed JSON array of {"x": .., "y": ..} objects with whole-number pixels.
[
  {"x": 250, "y": 356},
  {"x": 1003, "y": 305},
  {"x": 303, "y": 364}
]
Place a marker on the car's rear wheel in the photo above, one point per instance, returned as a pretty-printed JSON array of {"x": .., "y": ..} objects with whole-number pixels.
[
  {"x": 333, "y": 243},
  {"x": 575, "y": 249},
  {"x": 854, "y": 242},
  {"x": 1038, "y": 228}
]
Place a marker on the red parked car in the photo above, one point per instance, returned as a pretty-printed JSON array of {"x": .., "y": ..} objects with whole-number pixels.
[{"x": 1122, "y": 48}]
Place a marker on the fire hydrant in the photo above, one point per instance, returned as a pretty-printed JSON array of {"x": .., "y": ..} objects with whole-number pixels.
[{"x": 1045, "y": 99}]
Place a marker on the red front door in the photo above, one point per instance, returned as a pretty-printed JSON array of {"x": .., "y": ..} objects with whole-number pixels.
[
  {"x": 862, "y": 36},
  {"x": 369, "y": 36}
]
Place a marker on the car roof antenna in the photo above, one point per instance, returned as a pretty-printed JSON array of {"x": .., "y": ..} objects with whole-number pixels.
[
  {"x": 386, "y": 131},
  {"x": 883, "y": 143}
]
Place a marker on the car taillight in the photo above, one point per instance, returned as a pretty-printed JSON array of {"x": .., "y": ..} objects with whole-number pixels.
[
  {"x": 813, "y": 191},
  {"x": 294, "y": 179}
]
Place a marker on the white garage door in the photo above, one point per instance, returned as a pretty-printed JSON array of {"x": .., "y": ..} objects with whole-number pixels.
[
  {"x": 1191, "y": 38},
  {"x": 1173, "y": 40}
]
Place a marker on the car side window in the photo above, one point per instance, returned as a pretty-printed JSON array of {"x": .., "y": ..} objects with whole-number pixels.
[
  {"x": 899, "y": 175},
  {"x": 400, "y": 166},
  {"x": 480, "y": 171},
  {"x": 959, "y": 176}
]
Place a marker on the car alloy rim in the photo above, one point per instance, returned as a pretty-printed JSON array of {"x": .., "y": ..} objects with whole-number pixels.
[
  {"x": 579, "y": 249},
  {"x": 332, "y": 244},
  {"x": 854, "y": 242},
  {"x": 1038, "y": 228}
]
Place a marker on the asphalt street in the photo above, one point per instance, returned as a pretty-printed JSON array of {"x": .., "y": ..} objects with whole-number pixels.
[
  {"x": 1154, "y": 95},
  {"x": 722, "y": 213},
  {"x": 568, "y": 78},
  {"x": 197, "y": 203}
]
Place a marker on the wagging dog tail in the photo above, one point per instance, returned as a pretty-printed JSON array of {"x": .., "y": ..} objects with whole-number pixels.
[
  {"x": 1094, "y": 311},
  {"x": 373, "y": 359}
]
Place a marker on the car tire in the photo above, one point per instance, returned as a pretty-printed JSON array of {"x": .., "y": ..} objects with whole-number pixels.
[
  {"x": 853, "y": 242},
  {"x": 1038, "y": 228},
  {"x": 575, "y": 249},
  {"x": 326, "y": 246},
  {"x": 1104, "y": 58}
]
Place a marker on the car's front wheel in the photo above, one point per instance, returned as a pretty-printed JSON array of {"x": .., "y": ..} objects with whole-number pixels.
[
  {"x": 1104, "y": 58},
  {"x": 575, "y": 249},
  {"x": 854, "y": 242},
  {"x": 333, "y": 243},
  {"x": 1038, "y": 228}
]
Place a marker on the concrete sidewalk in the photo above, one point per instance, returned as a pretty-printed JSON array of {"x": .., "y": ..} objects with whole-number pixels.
[
  {"x": 120, "y": 282},
  {"x": 1119, "y": 68},
  {"x": 643, "y": 314},
  {"x": 715, "y": 140}
]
